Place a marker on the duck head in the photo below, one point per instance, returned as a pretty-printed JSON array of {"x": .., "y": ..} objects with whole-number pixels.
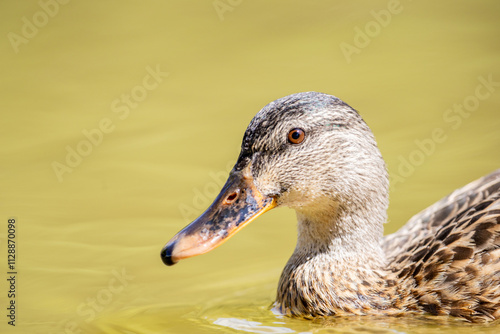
[{"x": 310, "y": 152}]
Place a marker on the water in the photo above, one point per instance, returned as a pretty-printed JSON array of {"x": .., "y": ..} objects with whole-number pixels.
[{"x": 155, "y": 147}]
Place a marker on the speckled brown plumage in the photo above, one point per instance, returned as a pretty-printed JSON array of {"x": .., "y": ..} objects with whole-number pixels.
[
  {"x": 444, "y": 261},
  {"x": 448, "y": 256}
]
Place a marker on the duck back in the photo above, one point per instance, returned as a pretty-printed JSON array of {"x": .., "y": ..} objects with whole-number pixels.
[{"x": 448, "y": 256}]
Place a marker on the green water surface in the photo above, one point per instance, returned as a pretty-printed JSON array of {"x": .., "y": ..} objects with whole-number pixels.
[{"x": 121, "y": 119}]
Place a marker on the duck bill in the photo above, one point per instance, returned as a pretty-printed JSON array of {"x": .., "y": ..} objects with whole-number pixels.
[{"x": 238, "y": 203}]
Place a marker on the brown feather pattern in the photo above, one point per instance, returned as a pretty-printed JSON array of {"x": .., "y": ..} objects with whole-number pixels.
[
  {"x": 448, "y": 255},
  {"x": 444, "y": 261}
]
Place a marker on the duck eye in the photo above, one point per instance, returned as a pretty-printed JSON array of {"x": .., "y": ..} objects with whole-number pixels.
[{"x": 296, "y": 136}]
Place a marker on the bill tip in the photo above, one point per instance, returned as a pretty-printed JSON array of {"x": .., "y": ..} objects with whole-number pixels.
[{"x": 166, "y": 255}]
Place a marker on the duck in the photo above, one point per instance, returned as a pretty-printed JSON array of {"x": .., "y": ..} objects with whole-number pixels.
[{"x": 314, "y": 153}]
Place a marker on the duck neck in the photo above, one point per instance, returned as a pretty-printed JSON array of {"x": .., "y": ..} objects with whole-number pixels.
[
  {"x": 337, "y": 263},
  {"x": 343, "y": 235}
]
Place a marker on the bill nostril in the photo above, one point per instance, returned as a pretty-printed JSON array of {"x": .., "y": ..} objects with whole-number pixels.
[{"x": 231, "y": 198}]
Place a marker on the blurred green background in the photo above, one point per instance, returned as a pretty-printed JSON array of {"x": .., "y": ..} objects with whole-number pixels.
[{"x": 121, "y": 119}]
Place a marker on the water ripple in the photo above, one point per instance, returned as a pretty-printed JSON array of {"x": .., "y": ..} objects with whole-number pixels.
[{"x": 250, "y": 326}]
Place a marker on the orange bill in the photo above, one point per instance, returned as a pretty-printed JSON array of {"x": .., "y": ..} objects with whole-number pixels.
[{"x": 238, "y": 203}]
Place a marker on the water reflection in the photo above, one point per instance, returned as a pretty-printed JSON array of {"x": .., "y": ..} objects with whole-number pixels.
[{"x": 250, "y": 326}]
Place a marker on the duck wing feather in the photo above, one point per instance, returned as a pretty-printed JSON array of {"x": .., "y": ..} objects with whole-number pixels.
[{"x": 448, "y": 256}]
